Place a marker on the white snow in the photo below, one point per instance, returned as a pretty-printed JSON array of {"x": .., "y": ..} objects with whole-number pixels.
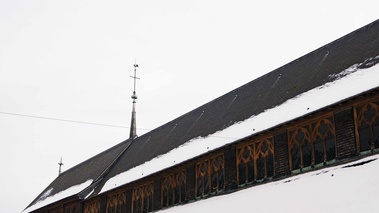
[
  {"x": 348, "y": 84},
  {"x": 335, "y": 189},
  {"x": 46, "y": 194},
  {"x": 46, "y": 199}
]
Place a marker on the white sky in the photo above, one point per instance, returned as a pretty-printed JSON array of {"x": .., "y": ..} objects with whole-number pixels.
[{"x": 72, "y": 60}]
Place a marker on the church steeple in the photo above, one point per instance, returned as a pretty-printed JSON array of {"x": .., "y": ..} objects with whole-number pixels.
[{"x": 133, "y": 125}]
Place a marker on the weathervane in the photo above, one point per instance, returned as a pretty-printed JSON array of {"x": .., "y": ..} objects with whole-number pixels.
[
  {"x": 60, "y": 166},
  {"x": 133, "y": 128},
  {"x": 134, "y": 96}
]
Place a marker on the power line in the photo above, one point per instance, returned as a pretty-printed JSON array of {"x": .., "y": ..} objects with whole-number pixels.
[
  {"x": 89, "y": 123},
  {"x": 66, "y": 120}
]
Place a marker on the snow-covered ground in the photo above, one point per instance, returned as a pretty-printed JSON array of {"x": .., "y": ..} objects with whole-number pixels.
[{"x": 352, "y": 187}]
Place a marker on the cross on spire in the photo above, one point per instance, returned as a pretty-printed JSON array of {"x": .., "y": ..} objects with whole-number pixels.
[
  {"x": 134, "y": 96},
  {"x": 60, "y": 166}
]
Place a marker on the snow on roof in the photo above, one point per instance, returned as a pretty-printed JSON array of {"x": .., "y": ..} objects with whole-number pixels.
[
  {"x": 348, "y": 83},
  {"x": 46, "y": 199},
  {"x": 347, "y": 188}
]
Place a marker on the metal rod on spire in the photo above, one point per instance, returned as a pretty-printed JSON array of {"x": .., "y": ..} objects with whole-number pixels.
[
  {"x": 135, "y": 70},
  {"x": 134, "y": 96},
  {"x": 133, "y": 125},
  {"x": 60, "y": 166}
]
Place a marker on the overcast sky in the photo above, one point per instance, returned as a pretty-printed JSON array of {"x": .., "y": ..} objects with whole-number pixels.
[{"x": 72, "y": 60}]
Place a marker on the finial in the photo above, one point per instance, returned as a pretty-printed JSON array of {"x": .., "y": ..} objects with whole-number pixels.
[
  {"x": 134, "y": 96},
  {"x": 60, "y": 166}
]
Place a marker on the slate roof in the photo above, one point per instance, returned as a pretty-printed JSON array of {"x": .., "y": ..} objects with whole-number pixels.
[{"x": 303, "y": 74}]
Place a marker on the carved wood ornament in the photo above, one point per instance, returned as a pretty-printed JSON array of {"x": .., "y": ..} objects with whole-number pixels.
[
  {"x": 312, "y": 142},
  {"x": 367, "y": 125}
]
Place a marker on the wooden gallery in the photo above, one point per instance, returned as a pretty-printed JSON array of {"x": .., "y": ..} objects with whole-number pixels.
[{"x": 319, "y": 110}]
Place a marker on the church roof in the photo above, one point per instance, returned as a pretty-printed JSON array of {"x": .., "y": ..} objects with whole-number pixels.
[
  {"x": 301, "y": 75},
  {"x": 357, "y": 50}
]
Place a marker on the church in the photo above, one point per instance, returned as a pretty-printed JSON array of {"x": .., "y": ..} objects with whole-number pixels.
[{"x": 319, "y": 110}]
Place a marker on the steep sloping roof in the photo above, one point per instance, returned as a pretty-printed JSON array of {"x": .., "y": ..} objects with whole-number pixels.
[
  {"x": 306, "y": 73},
  {"x": 315, "y": 69}
]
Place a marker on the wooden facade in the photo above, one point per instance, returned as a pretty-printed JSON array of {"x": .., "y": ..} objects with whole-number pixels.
[{"x": 311, "y": 142}]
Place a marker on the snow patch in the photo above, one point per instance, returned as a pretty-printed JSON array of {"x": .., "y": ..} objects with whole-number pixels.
[
  {"x": 46, "y": 194},
  {"x": 366, "y": 64},
  {"x": 46, "y": 199}
]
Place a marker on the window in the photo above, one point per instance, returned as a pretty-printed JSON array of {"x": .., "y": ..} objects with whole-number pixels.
[
  {"x": 255, "y": 161},
  {"x": 173, "y": 189},
  {"x": 92, "y": 206},
  {"x": 116, "y": 203},
  {"x": 367, "y": 126},
  {"x": 312, "y": 143},
  {"x": 142, "y": 198},
  {"x": 210, "y": 175}
]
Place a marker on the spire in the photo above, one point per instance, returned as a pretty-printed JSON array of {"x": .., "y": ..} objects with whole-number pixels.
[{"x": 133, "y": 125}]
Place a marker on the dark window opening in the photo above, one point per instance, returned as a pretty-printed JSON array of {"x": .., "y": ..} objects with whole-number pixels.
[
  {"x": 312, "y": 143},
  {"x": 142, "y": 198},
  {"x": 367, "y": 124},
  {"x": 116, "y": 203},
  {"x": 173, "y": 189},
  {"x": 210, "y": 175},
  {"x": 255, "y": 161}
]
